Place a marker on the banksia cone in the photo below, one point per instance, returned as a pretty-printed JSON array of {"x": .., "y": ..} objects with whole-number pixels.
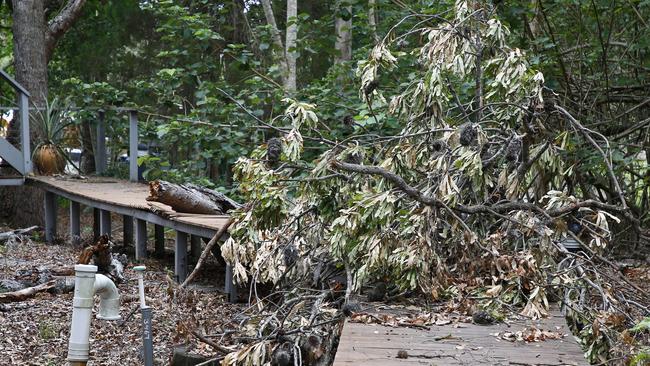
[
  {"x": 513, "y": 151},
  {"x": 468, "y": 134},
  {"x": 273, "y": 150}
]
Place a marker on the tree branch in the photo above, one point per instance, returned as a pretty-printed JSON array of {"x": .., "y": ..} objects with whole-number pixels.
[
  {"x": 61, "y": 23},
  {"x": 501, "y": 207}
]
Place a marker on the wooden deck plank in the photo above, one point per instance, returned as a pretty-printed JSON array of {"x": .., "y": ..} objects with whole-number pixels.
[
  {"x": 129, "y": 198},
  {"x": 468, "y": 344}
]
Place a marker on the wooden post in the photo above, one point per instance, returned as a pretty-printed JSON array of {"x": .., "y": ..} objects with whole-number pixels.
[
  {"x": 159, "y": 233},
  {"x": 75, "y": 222},
  {"x": 105, "y": 222},
  {"x": 133, "y": 146},
  {"x": 230, "y": 287},
  {"x": 96, "y": 225},
  {"x": 127, "y": 226},
  {"x": 180, "y": 256},
  {"x": 140, "y": 239},
  {"x": 50, "y": 216},
  {"x": 195, "y": 248},
  {"x": 100, "y": 146}
]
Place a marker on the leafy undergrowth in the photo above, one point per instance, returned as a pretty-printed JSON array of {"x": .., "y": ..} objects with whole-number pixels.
[{"x": 35, "y": 332}]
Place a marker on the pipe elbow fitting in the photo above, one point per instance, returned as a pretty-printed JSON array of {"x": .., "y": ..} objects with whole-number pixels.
[{"x": 109, "y": 298}]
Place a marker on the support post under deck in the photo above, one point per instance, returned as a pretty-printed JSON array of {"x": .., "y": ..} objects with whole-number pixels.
[
  {"x": 96, "y": 225},
  {"x": 50, "y": 216},
  {"x": 140, "y": 239},
  {"x": 159, "y": 234},
  {"x": 100, "y": 146},
  {"x": 180, "y": 256},
  {"x": 127, "y": 225},
  {"x": 230, "y": 287},
  {"x": 133, "y": 146},
  {"x": 105, "y": 222},
  {"x": 195, "y": 248},
  {"x": 75, "y": 222}
]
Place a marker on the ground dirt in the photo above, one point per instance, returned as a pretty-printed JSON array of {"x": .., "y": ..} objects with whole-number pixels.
[{"x": 35, "y": 332}]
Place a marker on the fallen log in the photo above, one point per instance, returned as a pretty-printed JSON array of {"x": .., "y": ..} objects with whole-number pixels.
[
  {"x": 189, "y": 198},
  {"x": 6, "y": 235},
  {"x": 26, "y": 293}
]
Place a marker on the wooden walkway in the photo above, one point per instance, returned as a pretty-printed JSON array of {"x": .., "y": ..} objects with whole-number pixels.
[
  {"x": 461, "y": 344},
  {"x": 128, "y": 199}
]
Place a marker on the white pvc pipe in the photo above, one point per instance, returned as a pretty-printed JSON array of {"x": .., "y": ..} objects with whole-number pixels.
[
  {"x": 81, "y": 313},
  {"x": 109, "y": 303},
  {"x": 87, "y": 283}
]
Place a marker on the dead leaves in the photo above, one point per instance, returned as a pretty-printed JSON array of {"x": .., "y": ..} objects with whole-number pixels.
[
  {"x": 529, "y": 335},
  {"x": 423, "y": 320}
]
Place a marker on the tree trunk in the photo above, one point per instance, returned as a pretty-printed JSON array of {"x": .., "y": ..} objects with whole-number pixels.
[
  {"x": 87, "y": 164},
  {"x": 277, "y": 38},
  {"x": 30, "y": 55},
  {"x": 292, "y": 34},
  {"x": 372, "y": 20},
  {"x": 34, "y": 42},
  {"x": 343, "y": 27}
]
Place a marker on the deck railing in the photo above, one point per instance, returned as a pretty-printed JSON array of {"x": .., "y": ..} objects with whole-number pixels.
[{"x": 19, "y": 158}]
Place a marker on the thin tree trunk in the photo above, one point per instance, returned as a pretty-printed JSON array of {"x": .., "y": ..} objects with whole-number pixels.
[
  {"x": 87, "y": 164},
  {"x": 292, "y": 35},
  {"x": 277, "y": 38},
  {"x": 372, "y": 20},
  {"x": 343, "y": 29}
]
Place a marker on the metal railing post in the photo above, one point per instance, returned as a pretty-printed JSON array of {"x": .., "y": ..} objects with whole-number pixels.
[
  {"x": 100, "y": 146},
  {"x": 24, "y": 132},
  {"x": 133, "y": 146}
]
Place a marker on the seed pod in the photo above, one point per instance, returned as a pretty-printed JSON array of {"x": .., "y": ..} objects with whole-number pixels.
[
  {"x": 370, "y": 87},
  {"x": 351, "y": 308},
  {"x": 468, "y": 134},
  {"x": 354, "y": 158},
  {"x": 273, "y": 150},
  {"x": 438, "y": 145},
  {"x": 312, "y": 349},
  {"x": 283, "y": 355},
  {"x": 513, "y": 151},
  {"x": 290, "y": 255}
]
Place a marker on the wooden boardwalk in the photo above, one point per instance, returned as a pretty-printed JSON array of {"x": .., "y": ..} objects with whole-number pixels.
[
  {"x": 464, "y": 344},
  {"x": 108, "y": 195},
  {"x": 128, "y": 198}
]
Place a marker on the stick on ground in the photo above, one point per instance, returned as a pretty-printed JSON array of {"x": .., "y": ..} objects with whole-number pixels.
[{"x": 206, "y": 252}]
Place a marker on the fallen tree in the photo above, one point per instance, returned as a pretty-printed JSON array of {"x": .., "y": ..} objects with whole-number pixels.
[{"x": 471, "y": 200}]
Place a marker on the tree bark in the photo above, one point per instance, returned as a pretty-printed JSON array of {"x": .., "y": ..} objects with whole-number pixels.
[
  {"x": 189, "y": 198},
  {"x": 291, "y": 54},
  {"x": 87, "y": 163},
  {"x": 26, "y": 293},
  {"x": 343, "y": 29},
  {"x": 372, "y": 20},
  {"x": 277, "y": 38},
  {"x": 30, "y": 54},
  {"x": 61, "y": 23}
]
